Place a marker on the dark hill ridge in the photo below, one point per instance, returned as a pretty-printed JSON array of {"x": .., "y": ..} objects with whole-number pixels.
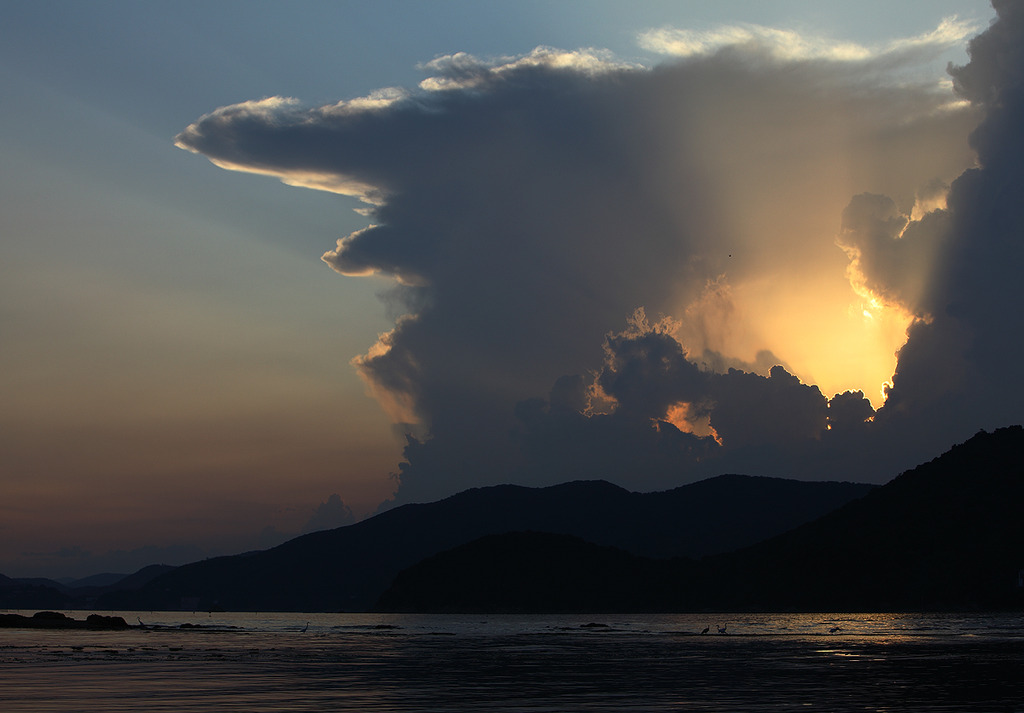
[
  {"x": 96, "y": 580},
  {"x": 348, "y": 568},
  {"x": 33, "y": 593},
  {"x": 945, "y": 535},
  {"x": 535, "y": 572},
  {"x": 948, "y": 534}
]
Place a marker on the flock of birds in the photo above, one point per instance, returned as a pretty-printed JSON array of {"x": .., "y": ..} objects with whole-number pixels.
[{"x": 723, "y": 629}]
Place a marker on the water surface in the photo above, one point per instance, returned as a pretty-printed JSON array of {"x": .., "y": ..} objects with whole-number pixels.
[{"x": 385, "y": 663}]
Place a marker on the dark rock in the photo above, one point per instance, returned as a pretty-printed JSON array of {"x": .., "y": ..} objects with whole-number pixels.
[
  {"x": 50, "y": 616},
  {"x": 98, "y": 621},
  {"x": 56, "y": 620}
]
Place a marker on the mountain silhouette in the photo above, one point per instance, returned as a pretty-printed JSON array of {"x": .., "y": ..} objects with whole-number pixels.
[
  {"x": 948, "y": 534},
  {"x": 349, "y": 568},
  {"x": 945, "y": 535},
  {"x": 536, "y": 572},
  {"x": 34, "y": 593}
]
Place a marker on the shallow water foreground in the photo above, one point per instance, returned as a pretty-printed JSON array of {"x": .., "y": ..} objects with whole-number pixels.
[{"x": 342, "y": 662}]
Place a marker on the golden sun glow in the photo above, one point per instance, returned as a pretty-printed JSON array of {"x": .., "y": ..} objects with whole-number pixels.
[
  {"x": 834, "y": 338},
  {"x": 829, "y": 333}
]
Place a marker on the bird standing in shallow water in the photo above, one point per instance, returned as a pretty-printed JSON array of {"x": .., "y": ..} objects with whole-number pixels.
[
  {"x": 722, "y": 629},
  {"x": 706, "y": 629}
]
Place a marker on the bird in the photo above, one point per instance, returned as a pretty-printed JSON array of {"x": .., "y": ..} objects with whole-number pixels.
[
  {"x": 305, "y": 627},
  {"x": 722, "y": 629},
  {"x": 834, "y": 629},
  {"x": 706, "y": 629}
]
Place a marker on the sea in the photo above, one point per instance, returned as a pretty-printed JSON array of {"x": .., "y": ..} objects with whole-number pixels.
[{"x": 255, "y": 662}]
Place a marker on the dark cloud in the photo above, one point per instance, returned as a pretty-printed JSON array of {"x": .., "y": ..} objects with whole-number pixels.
[
  {"x": 959, "y": 370},
  {"x": 650, "y": 413},
  {"x": 849, "y": 411},
  {"x": 270, "y": 536},
  {"x": 612, "y": 424},
  {"x": 893, "y": 256},
  {"x": 527, "y": 207},
  {"x": 753, "y": 410},
  {"x": 330, "y": 514},
  {"x": 647, "y": 372}
]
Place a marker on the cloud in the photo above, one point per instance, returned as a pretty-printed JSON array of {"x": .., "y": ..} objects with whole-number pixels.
[
  {"x": 959, "y": 368},
  {"x": 647, "y": 371},
  {"x": 790, "y": 45},
  {"x": 650, "y": 379},
  {"x": 527, "y": 206},
  {"x": 892, "y": 256},
  {"x": 464, "y": 71},
  {"x": 650, "y": 410},
  {"x": 753, "y": 410},
  {"x": 849, "y": 411},
  {"x": 330, "y": 514}
]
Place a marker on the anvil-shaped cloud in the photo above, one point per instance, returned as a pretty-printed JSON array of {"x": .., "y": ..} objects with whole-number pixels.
[{"x": 773, "y": 203}]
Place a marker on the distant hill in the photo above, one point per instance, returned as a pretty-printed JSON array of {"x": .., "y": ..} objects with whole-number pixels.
[
  {"x": 535, "y": 572},
  {"x": 141, "y": 578},
  {"x": 348, "y": 568},
  {"x": 33, "y": 594},
  {"x": 97, "y": 580},
  {"x": 80, "y": 594},
  {"x": 948, "y": 534}
]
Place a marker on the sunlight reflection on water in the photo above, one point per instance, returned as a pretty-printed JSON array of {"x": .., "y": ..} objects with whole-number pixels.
[{"x": 392, "y": 663}]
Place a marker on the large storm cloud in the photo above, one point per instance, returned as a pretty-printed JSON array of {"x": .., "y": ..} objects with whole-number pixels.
[
  {"x": 958, "y": 371},
  {"x": 527, "y": 207}
]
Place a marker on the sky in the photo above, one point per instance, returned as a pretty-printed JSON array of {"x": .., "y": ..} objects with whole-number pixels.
[{"x": 266, "y": 268}]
